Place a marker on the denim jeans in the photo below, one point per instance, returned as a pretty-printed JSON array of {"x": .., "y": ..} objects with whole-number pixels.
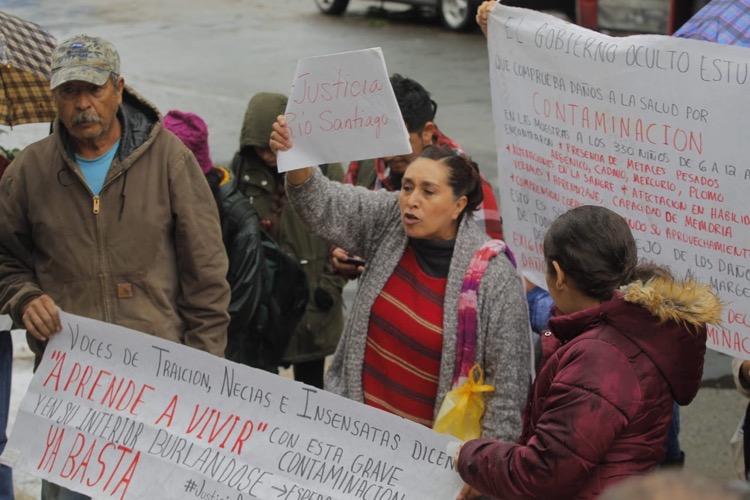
[
  {"x": 6, "y": 370},
  {"x": 674, "y": 456}
]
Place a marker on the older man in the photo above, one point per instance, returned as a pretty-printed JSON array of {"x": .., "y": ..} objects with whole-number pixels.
[{"x": 110, "y": 217}]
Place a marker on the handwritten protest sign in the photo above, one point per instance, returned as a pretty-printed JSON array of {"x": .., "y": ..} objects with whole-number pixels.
[
  {"x": 341, "y": 107},
  {"x": 652, "y": 127},
  {"x": 114, "y": 413}
]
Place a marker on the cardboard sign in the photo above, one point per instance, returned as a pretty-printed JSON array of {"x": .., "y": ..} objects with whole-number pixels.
[
  {"x": 341, "y": 108},
  {"x": 115, "y": 413},
  {"x": 652, "y": 127}
]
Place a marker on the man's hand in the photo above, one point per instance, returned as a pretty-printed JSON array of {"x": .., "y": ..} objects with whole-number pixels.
[
  {"x": 348, "y": 271},
  {"x": 40, "y": 317},
  {"x": 483, "y": 14}
]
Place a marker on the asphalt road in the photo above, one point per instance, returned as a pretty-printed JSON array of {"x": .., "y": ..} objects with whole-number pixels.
[{"x": 211, "y": 56}]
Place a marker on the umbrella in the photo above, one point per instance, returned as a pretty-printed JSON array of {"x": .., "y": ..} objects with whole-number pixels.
[
  {"x": 721, "y": 21},
  {"x": 25, "y": 53}
]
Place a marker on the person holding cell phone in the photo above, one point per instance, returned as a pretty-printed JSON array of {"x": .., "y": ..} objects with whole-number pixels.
[{"x": 398, "y": 348}]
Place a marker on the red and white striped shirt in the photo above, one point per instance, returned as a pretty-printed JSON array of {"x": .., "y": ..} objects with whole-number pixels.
[{"x": 405, "y": 343}]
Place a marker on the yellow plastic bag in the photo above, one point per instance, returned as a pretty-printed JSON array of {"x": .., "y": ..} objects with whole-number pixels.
[{"x": 461, "y": 413}]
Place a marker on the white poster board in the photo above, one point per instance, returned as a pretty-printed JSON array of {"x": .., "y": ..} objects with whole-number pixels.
[
  {"x": 342, "y": 108},
  {"x": 653, "y": 127},
  {"x": 115, "y": 413}
]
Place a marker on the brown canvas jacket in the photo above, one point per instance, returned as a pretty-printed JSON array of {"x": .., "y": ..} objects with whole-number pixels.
[{"x": 146, "y": 253}]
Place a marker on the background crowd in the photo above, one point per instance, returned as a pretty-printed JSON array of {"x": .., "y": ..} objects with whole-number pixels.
[{"x": 196, "y": 276}]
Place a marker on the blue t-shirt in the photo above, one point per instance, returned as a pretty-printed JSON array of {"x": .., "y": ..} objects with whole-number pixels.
[{"x": 95, "y": 171}]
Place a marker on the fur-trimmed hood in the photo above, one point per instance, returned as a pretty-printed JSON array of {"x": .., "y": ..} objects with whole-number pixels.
[{"x": 688, "y": 302}]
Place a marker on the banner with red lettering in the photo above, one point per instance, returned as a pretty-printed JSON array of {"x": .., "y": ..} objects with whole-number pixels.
[
  {"x": 653, "y": 127},
  {"x": 114, "y": 413}
]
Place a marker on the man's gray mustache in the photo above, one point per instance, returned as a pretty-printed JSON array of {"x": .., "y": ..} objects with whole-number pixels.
[{"x": 86, "y": 117}]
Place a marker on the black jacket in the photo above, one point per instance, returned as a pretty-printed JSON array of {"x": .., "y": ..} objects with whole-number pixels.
[{"x": 240, "y": 229}]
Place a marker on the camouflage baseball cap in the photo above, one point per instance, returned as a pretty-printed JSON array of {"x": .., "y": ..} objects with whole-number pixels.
[{"x": 86, "y": 58}]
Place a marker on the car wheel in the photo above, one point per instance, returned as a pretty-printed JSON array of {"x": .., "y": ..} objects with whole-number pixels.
[
  {"x": 332, "y": 6},
  {"x": 458, "y": 15}
]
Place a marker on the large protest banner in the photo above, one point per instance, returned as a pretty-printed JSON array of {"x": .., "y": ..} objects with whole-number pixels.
[
  {"x": 114, "y": 413},
  {"x": 652, "y": 127}
]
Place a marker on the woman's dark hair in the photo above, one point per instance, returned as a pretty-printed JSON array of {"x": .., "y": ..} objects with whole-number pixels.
[
  {"x": 463, "y": 175},
  {"x": 596, "y": 249}
]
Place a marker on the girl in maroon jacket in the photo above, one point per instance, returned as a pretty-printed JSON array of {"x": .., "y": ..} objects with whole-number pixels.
[{"x": 625, "y": 341}]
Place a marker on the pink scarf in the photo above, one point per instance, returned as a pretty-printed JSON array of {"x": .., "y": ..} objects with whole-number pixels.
[{"x": 467, "y": 305}]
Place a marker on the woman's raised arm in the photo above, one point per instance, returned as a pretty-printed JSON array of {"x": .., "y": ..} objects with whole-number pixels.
[{"x": 281, "y": 140}]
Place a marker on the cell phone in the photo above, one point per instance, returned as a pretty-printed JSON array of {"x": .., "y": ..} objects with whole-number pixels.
[{"x": 355, "y": 260}]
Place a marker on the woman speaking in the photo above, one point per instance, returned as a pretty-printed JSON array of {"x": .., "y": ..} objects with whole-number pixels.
[{"x": 399, "y": 347}]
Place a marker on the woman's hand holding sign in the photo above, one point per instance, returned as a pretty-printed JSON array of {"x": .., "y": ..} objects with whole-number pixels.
[{"x": 281, "y": 140}]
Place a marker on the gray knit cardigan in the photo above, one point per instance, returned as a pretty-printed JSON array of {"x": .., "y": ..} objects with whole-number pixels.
[{"x": 368, "y": 223}]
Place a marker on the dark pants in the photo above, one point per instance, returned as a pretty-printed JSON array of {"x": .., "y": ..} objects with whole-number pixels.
[
  {"x": 675, "y": 457},
  {"x": 310, "y": 372},
  {"x": 6, "y": 371}
]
